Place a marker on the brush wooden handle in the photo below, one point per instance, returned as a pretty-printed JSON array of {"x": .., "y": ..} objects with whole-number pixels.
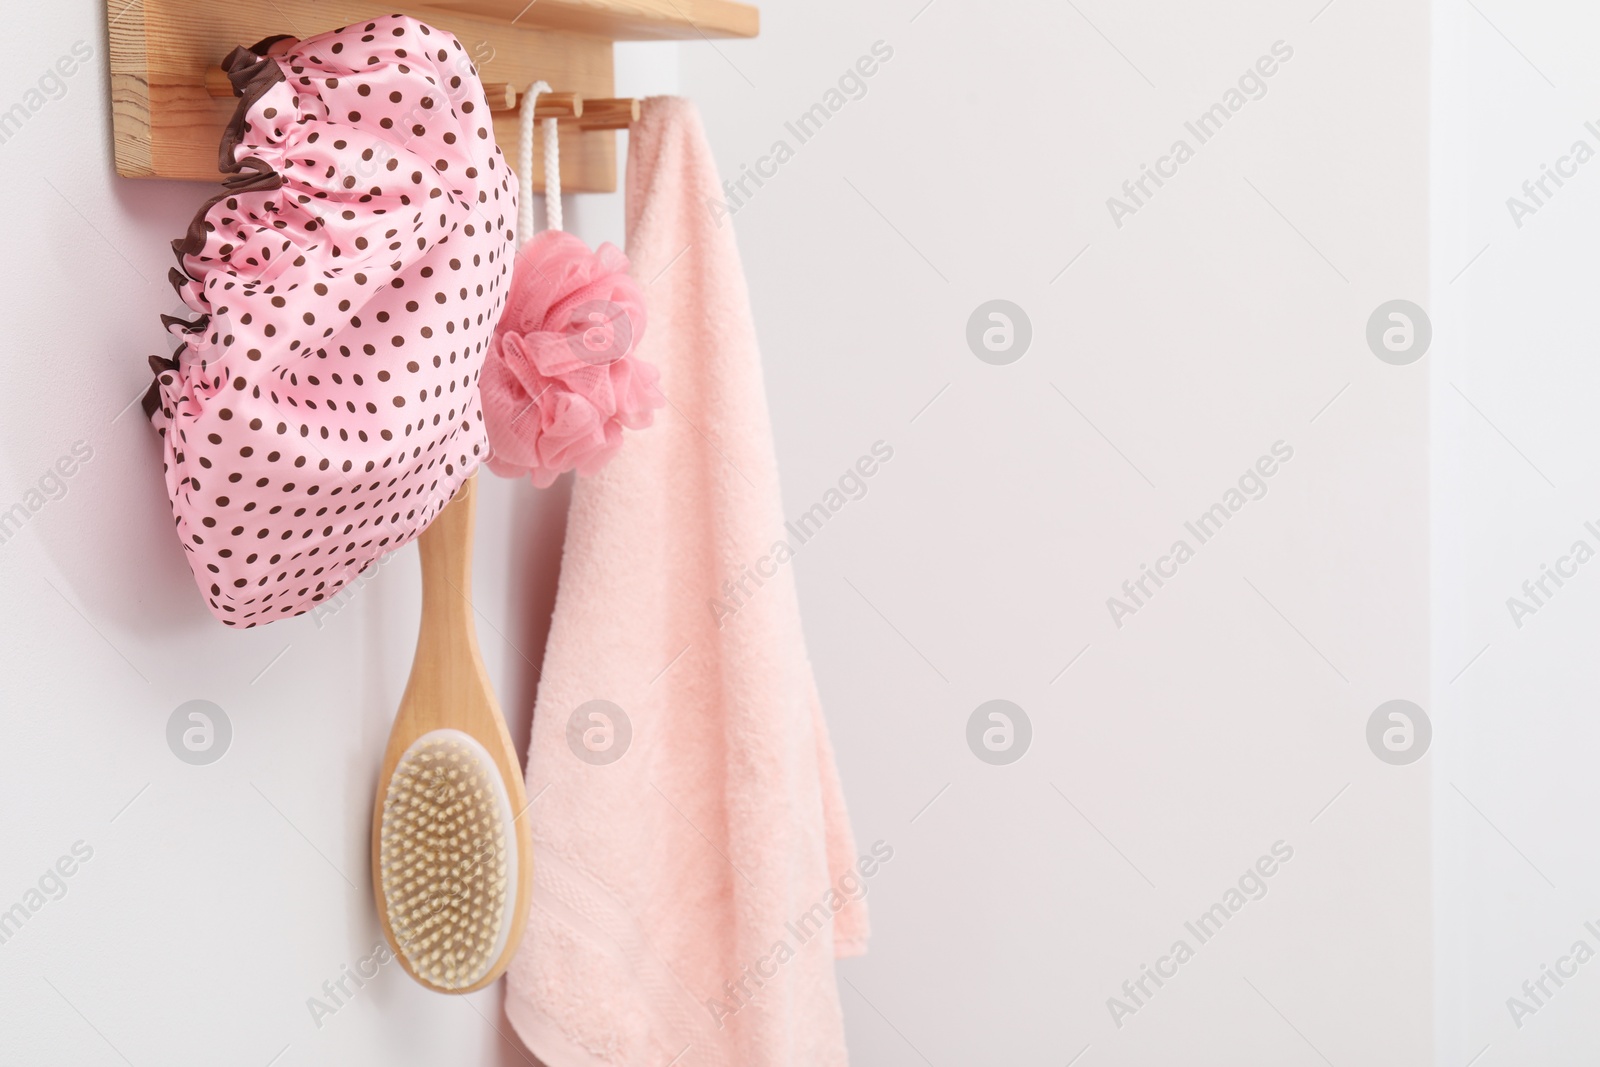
[
  {"x": 449, "y": 690},
  {"x": 446, "y": 550}
]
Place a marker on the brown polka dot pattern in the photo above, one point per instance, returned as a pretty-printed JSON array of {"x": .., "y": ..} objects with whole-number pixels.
[{"x": 324, "y": 405}]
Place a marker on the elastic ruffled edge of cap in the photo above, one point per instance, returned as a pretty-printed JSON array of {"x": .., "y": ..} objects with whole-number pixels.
[{"x": 253, "y": 73}]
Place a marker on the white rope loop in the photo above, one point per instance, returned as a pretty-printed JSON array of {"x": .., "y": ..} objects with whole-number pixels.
[
  {"x": 552, "y": 175},
  {"x": 552, "y": 166}
]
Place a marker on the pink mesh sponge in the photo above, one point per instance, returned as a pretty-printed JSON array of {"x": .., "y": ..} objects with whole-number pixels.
[
  {"x": 561, "y": 382},
  {"x": 324, "y": 406}
]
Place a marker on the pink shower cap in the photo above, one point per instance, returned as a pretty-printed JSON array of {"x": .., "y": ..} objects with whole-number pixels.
[
  {"x": 561, "y": 382},
  {"x": 324, "y": 406}
]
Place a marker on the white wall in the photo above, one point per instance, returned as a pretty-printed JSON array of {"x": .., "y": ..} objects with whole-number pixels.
[
  {"x": 217, "y": 899},
  {"x": 1514, "y": 436},
  {"x": 1226, "y": 714},
  {"x": 1169, "y": 756}
]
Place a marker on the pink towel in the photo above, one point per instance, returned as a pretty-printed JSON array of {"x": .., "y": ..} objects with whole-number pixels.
[{"x": 691, "y": 896}]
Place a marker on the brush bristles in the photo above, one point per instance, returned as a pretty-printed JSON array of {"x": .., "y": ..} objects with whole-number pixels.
[{"x": 445, "y": 866}]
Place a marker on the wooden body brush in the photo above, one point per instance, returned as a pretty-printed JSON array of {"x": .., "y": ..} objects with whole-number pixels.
[{"x": 452, "y": 859}]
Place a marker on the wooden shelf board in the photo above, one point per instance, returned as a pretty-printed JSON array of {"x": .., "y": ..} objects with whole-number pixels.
[
  {"x": 166, "y": 124},
  {"x": 623, "y": 20}
]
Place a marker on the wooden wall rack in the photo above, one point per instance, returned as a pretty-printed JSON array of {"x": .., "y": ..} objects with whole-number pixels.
[{"x": 168, "y": 118}]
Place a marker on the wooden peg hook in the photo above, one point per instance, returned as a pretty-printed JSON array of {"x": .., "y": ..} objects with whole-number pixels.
[
  {"x": 590, "y": 113},
  {"x": 610, "y": 113},
  {"x": 504, "y": 97}
]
